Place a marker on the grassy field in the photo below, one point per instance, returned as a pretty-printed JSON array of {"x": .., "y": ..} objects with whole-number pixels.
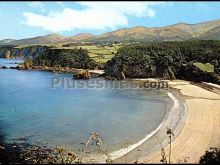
[
  {"x": 97, "y": 52},
  {"x": 205, "y": 67},
  {"x": 100, "y": 53}
]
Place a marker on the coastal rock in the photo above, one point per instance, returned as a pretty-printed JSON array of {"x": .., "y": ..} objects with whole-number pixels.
[
  {"x": 10, "y": 51},
  {"x": 20, "y": 67},
  {"x": 119, "y": 76},
  {"x": 83, "y": 74},
  {"x": 3, "y": 67}
]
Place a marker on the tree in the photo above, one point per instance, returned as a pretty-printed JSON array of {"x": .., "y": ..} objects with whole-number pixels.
[
  {"x": 216, "y": 64},
  {"x": 73, "y": 58},
  {"x": 167, "y": 60}
]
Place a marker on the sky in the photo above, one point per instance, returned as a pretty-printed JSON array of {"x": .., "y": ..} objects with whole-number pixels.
[{"x": 30, "y": 19}]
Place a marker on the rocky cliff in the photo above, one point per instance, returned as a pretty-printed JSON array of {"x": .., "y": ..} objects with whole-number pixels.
[{"x": 25, "y": 52}]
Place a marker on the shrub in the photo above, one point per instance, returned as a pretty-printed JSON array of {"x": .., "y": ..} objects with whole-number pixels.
[{"x": 211, "y": 157}]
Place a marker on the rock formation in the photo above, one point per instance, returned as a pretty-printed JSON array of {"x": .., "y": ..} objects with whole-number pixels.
[{"x": 83, "y": 74}]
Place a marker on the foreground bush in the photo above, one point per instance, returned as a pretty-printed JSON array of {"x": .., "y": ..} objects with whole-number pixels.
[{"x": 211, "y": 157}]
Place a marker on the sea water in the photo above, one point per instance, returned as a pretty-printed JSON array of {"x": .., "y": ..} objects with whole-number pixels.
[{"x": 30, "y": 108}]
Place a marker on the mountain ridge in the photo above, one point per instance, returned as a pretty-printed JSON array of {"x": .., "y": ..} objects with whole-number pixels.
[{"x": 177, "y": 32}]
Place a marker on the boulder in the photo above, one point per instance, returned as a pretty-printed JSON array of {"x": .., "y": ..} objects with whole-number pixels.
[
  {"x": 83, "y": 74},
  {"x": 20, "y": 67}
]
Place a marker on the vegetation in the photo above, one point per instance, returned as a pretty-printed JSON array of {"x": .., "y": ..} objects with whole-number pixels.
[
  {"x": 166, "y": 60},
  {"x": 170, "y": 134},
  {"x": 28, "y": 63},
  {"x": 17, "y": 153},
  {"x": 205, "y": 67},
  {"x": 189, "y": 60},
  {"x": 96, "y": 138},
  {"x": 192, "y": 73},
  {"x": 73, "y": 58},
  {"x": 31, "y": 154},
  {"x": 163, "y": 160},
  {"x": 100, "y": 53},
  {"x": 211, "y": 157},
  {"x": 24, "y": 153}
]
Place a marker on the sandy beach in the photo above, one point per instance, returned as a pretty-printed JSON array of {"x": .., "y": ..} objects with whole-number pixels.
[{"x": 202, "y": 126}]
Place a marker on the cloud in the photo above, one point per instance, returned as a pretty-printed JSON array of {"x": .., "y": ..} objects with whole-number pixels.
[
  {"x": 94, "y": 16},
  {"x": 36, "y": 4}
]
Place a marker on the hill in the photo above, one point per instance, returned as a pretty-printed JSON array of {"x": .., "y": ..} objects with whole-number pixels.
[
  {"x": 51, "y": 39},
  {"x": 212, "y": 34},
  {"x": 178, "y": 32},
  {"x": 6, "y": 41}
]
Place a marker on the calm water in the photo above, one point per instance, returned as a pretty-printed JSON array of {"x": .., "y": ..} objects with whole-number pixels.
[
  {"x": 10, "y": 62},
  {"x": 29, "y": 107}
]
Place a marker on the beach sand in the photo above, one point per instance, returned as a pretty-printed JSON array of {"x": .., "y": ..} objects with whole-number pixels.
[
  {"x": 197, "y": 127},
  {"x": 202, "y": 126}
]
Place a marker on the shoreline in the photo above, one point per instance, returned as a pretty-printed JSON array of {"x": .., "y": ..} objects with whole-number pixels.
[
  {"x": 189, "y": 92},
  {"x": 175, "y": 105},
  {"x": 199, "y": 131},
  {"x": 118, "y": 155},
  {"x": 130, "y": 153},
  {"x": 175, "y": 114},
  {"x": 93, "y": 72},
  {"x": 65, "y": 70}
]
